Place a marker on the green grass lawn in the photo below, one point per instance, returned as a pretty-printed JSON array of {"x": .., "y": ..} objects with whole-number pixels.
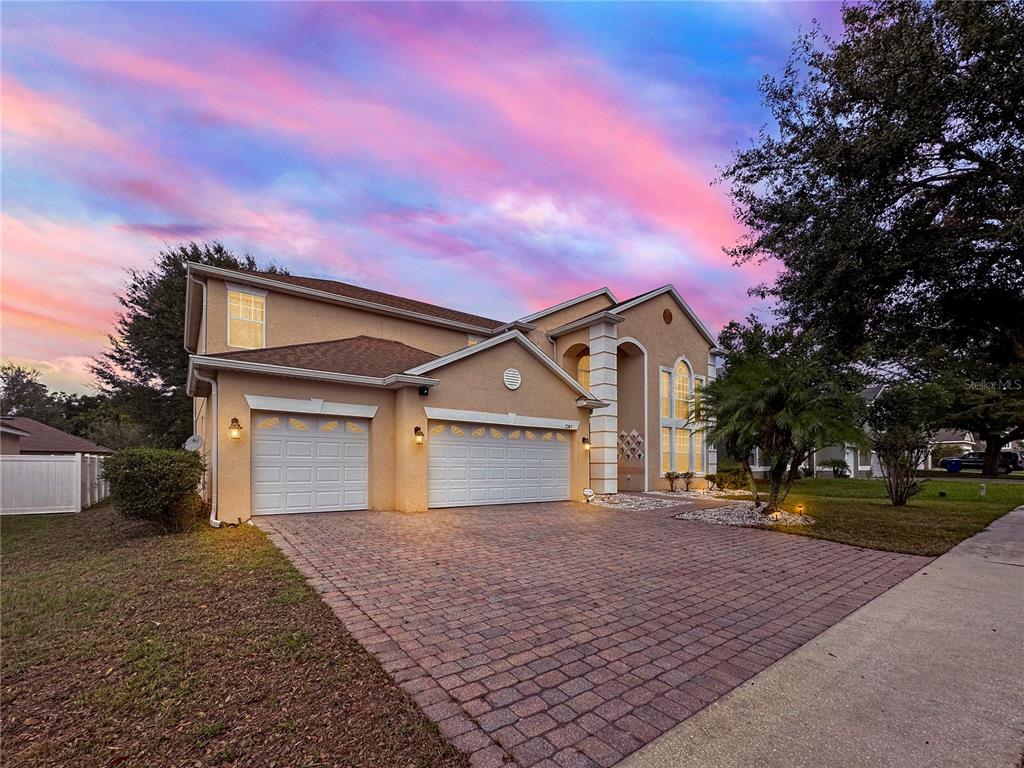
[
  {"x": 126, "y": 648},
  {"x": 858, "y": 512}
]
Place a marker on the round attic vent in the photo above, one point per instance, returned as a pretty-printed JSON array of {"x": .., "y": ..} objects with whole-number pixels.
[
  {"x": 512, "y": 378},
  {"x": 667, "y": 316}
]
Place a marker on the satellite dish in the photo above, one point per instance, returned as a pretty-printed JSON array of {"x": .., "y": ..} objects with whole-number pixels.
[{"x": 193, "y": 444}]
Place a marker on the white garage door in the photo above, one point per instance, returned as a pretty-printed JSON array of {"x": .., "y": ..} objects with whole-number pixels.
[
  {"x": 485, "y": 464},
  {"x": 304, "y": 463}
]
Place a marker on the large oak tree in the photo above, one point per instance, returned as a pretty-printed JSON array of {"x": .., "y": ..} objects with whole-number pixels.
[
  {"x": 891, "y": 190},
  {"x": 144, "y": 371}
]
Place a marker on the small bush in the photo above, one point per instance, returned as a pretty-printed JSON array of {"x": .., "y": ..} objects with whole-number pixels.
[
  {"x": 156, "y": 484},
  {"x": 730, "y": 479}
]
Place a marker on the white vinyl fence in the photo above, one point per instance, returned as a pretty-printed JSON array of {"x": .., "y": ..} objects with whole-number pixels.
[{"x": 36, "y": 485}]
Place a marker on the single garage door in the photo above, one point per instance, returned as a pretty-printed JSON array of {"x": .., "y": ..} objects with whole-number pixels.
[
  {"x": 304, "y": 463},
  {"x": 486, "y": 464}
]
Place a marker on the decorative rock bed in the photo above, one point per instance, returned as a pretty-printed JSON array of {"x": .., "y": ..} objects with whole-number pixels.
[
  {"x": 742, "y": 514},
  {"x": 700, "y": 494},
  {"x": 635, "y": 502}
]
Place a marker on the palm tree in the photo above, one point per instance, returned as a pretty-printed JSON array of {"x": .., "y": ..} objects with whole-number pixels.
[{"x": 784, "y": 404}]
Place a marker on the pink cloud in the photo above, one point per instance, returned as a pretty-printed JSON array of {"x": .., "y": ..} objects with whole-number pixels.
[{"x": 564, "y": 106}]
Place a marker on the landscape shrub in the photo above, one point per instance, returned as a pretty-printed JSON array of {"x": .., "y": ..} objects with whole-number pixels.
[
  {"x": 730, "y": 478},
  {"x": 156, "y": 484}
]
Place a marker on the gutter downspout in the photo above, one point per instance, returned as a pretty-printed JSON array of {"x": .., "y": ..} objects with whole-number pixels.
[
  {"x": 201, "y": 345},
  {"x": 213, "y": 447}
]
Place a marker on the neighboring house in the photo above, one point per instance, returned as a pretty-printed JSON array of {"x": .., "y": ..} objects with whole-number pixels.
[
  {"x": 960, "y": 440},
  {"x": 861, "y": 460},
  {"x": 24, "y": 436},
  {"x": 10, "y": 437},
  {"x": 316, "y": 395}
]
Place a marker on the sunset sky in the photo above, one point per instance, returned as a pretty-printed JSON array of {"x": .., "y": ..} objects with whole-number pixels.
[{"x": 493, "y": 158}]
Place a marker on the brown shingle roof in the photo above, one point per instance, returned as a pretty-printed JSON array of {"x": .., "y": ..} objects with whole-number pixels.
[
  {"x": 358, "y": 355},
  {"x": 46, "y": 439},
  {"x": 378, "y": 297}
]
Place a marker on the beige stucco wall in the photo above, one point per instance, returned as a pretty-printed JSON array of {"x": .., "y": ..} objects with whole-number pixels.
[
  {"x": 664, "y": 344},
  {"x": 296, "y": 320},
  {"x": 398, "y": 467},
  {"x": 234, "y": 457},
  {"x": 630, "y": 380},
  {"x": 9, "y": 444},
  {"x": 561, "y": 317},
  {"x": 475, "y": 384}
]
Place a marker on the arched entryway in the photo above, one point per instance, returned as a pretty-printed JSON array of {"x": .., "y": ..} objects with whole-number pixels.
[
  {"x": 632, "y": 415},
  {"x": 576, "y": 362}
]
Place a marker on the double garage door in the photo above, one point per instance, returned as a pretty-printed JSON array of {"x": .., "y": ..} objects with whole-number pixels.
[
  {"x": 305, "y": 463},
  {"x": 487, "y": 464},
  {"x": 315, "y": 463}
]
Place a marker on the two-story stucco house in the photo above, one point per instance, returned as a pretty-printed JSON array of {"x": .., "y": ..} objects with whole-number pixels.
[{"x": 316, "y": 395}]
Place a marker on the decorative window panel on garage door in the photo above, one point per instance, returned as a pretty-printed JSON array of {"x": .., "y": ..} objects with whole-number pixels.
[
  {"x": 487, "y": 464},
  {"x": 305, "y": 463}
]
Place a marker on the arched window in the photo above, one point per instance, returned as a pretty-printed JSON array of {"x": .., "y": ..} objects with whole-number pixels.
[
  {"x": 583, "y": 371},
  {"x": 682, "y": 443},
  {"x": 682, "y": 391}
]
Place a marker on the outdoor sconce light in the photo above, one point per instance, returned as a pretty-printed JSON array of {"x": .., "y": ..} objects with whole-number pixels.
[
  {"x": 586, "y": 443},
  {"x": 235, "y": 429},
  {"x": 418, "y": 435}
]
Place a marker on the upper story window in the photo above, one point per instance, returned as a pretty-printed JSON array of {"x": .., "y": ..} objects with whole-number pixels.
[
  {"x": 682, "y": 443},
  {"x": 247, "y": 316},
  {"x": 583, "y": 371},
  {"x": 682, "y": 393}
]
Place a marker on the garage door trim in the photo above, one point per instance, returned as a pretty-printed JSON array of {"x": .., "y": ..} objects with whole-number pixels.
[
  {"x": 312, "y": 405},
  {"x": 506, "y": 419}
]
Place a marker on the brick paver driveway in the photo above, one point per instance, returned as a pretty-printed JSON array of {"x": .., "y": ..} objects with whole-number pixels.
[{"x": 571, "y": 635}]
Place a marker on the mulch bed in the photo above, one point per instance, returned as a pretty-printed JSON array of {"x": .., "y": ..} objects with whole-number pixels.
[{"x": 122, "y": 647}]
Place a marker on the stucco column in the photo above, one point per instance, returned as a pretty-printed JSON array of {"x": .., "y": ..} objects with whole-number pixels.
[
  {"x": 411, "y": 466},
  {"x": 604, "y": 422}
]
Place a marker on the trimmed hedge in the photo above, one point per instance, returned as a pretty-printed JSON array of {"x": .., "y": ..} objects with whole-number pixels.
[{"x": 157, "y": 484}]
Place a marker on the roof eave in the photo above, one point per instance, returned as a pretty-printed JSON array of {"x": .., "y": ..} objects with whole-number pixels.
[
  {"x": 585, "y": 322},
  {"x": 570, "y": 303},
  {"x": 391, "y": 381},
  {"x": 333, "y": 298},
  {"x": 516, "y": 325}
]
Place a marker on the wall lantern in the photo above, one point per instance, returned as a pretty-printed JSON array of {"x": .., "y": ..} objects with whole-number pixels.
[
  {"x": 418, "y": 435},
  {"x": 235, "y": 429},
  {"x": 586, "y": 443}
]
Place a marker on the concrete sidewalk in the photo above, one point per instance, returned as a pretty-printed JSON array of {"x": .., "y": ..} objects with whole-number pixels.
[{"x": 931, "y": 673}]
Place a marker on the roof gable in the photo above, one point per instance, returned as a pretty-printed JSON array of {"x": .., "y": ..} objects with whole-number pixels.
[
  {"x": 671, "y": 291},
  {"x": 512, "y": 336}
]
